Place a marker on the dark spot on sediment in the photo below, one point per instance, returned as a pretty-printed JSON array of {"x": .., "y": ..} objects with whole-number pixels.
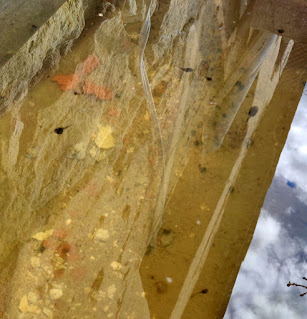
[
  {"x": 166, "y": 231},
  {"x": 249, "y": 142},
  {"x": 204, "y": 291},
  {"x": 34, "y": 26},
  {"x": 253, "y": 111},
  {"x": 280, "y": 31},
  {"x": 148, "y": 250},
  {"x": 41, "y": 249},
  {"x": 240, "y": 86},
  {"x": 196, "y": 143},
  {"x": 231, "y": 189},
  {"x": 224, "y": 115},
  {"x": 208, "y": 78},
  {"x": 161, "y": 287},
  {"x": 193, "y": 133},
  {"x": 202, "y": 169}
]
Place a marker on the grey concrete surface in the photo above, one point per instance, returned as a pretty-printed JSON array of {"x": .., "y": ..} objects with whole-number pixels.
[{"x": 19, "y": 20}]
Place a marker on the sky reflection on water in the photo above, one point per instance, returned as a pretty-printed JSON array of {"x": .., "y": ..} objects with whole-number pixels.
[{"x": 278, "y": 252}]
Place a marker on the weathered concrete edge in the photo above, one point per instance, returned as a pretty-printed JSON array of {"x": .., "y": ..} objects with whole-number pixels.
[{"x": 43, "y": 48}]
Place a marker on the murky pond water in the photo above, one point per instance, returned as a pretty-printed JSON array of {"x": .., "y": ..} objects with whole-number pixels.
[{"x": 131, "y": 183}]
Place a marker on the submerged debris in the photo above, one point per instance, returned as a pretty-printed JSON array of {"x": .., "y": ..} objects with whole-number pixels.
[{"x": 187, "y": 69}]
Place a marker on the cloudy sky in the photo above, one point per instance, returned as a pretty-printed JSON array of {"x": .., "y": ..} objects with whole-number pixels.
[{"x": 278, "y": 252}]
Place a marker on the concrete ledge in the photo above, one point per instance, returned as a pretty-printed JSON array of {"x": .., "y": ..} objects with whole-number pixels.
[{"x": 35, "y": 34}]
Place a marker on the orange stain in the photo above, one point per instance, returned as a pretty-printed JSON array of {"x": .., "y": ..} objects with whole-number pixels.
[
  {"x": 72, "y": 81},
  {"x": 102, "y": 92},
  {"x": 89, "y": 65},
  {"x": 67, "y": 82}
]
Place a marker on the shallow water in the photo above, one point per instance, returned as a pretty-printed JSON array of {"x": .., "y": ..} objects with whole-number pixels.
[{"x": 97, "y": 219}]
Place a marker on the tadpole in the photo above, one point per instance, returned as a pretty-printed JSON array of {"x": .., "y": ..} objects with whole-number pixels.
[
  {"x": 60, "y": 130},
  {"x": 187, "y": 69}
]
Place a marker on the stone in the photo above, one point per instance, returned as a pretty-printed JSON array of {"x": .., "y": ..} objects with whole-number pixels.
[
  {"x": 102, "y": 235},
  {"x": 104, "y": 138},
  {"x": 55, "y": 293}
]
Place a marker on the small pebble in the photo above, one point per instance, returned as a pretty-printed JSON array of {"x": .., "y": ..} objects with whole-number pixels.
[
  {"x": 55, "y": 293},
  {"x": 102, "y": 235}
]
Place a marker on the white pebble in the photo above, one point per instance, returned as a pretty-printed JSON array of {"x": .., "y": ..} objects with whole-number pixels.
[
  {"x": 116, "y": 266},
  {"x": 56, "y": 293},
  {"x": 169, "y": 280},
  {"x": 102, "y": 234}
]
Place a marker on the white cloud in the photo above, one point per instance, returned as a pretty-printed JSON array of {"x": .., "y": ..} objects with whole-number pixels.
[{"x": 261, "y": 287}]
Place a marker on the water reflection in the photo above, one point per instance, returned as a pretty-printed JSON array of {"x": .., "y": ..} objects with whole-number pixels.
[{"x": 278, "y": 251}]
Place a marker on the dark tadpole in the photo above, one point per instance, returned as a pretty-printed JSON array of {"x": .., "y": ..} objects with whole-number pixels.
[
  {"x": 187, "y": 69},
  {"x": 60, "y": 130},
  {"x": 203, "y": 292}
]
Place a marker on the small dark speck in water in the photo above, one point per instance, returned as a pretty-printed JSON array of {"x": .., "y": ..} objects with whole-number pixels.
[
  {"x": 196, "y": 143},
  {"x": 202, "y": 169},
  {"x": 231, "y": 189},
  {"x": 187, "y": 69},
  {"x": 117, "y": 95},
  {"x": 249, "y": 142},
  {"x": 253, "y": 111},
  {"x": 224, "y": 115},
  {"x": 76, "y": 93},
  {"x": 161, "y": 287},
  {"x": 280, "y": 31},
  {"x": 240, "y": 86},
  {"x": 148, "y": 250},
  {"x": 209, "y": 78},
  {"x": 34, "y": 26},
  {"x": 41, "y": 249}
]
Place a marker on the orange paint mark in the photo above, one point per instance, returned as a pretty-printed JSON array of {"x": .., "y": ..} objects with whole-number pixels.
[
  {"x": 102, "y": 92},
  {"x": 89, "y": 65},
  {"x": 67, "y": 82},
  {"x": 72, "y": 81}
]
